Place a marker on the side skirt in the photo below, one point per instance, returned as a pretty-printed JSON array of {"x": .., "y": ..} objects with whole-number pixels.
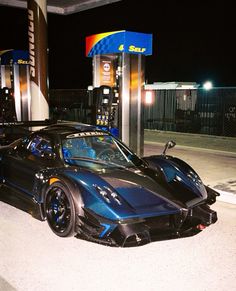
[{"x": 21, "y": 201}]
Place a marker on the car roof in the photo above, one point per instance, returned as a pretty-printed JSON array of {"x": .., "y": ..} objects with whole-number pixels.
[{"x": 64, "y": 128}]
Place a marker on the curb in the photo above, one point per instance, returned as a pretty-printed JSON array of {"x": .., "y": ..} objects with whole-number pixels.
[
  {"x": 191, "y": 148},
  {"x": 227, "y": 197}
]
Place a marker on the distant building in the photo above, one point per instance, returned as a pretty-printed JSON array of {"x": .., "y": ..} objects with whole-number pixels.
[{"x": 172, "y": 85}]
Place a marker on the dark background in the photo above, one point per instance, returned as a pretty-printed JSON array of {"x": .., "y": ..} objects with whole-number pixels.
[{"x": 193, "y": 41}]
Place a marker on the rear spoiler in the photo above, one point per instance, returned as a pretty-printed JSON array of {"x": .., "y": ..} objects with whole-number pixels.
[
  {"x": 10, "y": 131},
  {"x": 32, "y": 123}
]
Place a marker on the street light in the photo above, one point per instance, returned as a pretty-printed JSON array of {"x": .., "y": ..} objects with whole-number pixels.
[
  {"x": 148, "y": 97},
  {"x": 207, "y": 85}
]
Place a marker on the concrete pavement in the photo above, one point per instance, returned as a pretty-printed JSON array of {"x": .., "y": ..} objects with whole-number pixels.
[{"x": 34, "y": 259}]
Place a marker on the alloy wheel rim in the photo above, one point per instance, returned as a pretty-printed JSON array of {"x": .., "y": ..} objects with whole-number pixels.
[{"x": 58, "y": 210}]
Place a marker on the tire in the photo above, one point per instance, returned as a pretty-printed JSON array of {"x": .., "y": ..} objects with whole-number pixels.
[{"x": 59, "y": 209}]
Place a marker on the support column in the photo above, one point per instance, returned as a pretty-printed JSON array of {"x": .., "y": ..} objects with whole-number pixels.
[
  {"x": 22, "y": 92},
  {"x": 37, "y": 32},
  {"x": 125, "y": 99},
  {"x": 5, "y": 76},
  {"x": 132, "y": 88}
]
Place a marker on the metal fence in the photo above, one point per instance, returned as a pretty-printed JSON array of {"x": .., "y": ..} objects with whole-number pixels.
[
  {"x": 210, "y": 112},
  {"x": 70, "y": 104},
  {"x": 197, "y": 111}
]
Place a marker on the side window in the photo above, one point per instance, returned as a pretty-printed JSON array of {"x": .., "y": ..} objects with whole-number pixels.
[{"x": 41, "y": 147}]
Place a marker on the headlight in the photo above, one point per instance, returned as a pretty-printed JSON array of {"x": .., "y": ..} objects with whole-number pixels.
[{"x": 194, "y": 177}]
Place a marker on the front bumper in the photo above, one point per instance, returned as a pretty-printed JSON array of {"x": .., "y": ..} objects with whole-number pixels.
[{"x": 136, "y": 232}]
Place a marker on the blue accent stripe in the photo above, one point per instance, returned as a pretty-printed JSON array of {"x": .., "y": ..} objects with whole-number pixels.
[{"x": 105, "y": 230}]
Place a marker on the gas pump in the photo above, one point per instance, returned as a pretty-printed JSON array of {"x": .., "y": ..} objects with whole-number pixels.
[
  {"x": 14, "y": 75},
  {"x": 118, "y": 62},
  {"x": 7, "y": 105},
  {"x": 106, "y": 108}
]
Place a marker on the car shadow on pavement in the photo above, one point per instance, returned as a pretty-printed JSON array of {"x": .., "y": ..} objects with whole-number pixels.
[{"x": 4, "y": 285}]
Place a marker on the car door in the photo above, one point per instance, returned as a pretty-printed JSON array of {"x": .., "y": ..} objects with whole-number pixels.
[{"x": 21, "y": 164}]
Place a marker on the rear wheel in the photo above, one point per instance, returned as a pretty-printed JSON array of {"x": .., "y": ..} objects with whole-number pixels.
[{"x": 60, "y": 210}]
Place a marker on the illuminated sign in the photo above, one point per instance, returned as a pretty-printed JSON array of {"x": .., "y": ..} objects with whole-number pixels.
[
  {"x": 117, "y": 42},
  {"x": 11, "y": 56},
  {"x": 31, "y": 34},
  {"x": 107, "y": 71},
  {"x": 22, "y": 62}
]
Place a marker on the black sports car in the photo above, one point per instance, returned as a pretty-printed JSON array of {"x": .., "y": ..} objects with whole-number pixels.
[{"x": 88, "y": 184}]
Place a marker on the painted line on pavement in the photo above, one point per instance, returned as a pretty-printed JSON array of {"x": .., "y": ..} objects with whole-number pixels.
[{"x": 226, "y": 196}]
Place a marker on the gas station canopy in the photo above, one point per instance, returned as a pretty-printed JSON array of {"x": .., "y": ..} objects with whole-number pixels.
[{"x": 63, "y": 7}]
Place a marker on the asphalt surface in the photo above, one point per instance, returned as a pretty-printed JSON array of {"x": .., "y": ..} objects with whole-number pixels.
[{"x": 34, "y": 259}]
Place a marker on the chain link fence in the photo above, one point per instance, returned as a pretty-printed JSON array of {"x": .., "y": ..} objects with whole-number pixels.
[
  {"x": 210, "y": 112},
  {"x": 70, "y": 104}
]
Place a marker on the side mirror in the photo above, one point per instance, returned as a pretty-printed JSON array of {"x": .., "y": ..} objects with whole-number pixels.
[{"x": 169, "y": 145}]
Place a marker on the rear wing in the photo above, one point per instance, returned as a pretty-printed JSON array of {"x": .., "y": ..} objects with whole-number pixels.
[{"x": 10, "y": 131}]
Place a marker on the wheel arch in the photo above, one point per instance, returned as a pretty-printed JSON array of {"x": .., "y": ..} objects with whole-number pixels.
[{"x": 73, "y": 187}]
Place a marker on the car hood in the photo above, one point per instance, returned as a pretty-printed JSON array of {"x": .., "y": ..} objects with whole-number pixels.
[
  {"x": 138, "y": 189},
  {"x": 139, "y": 195}
]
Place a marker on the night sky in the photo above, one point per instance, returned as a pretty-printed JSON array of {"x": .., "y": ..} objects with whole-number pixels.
[{"x": 193, "y": 41}]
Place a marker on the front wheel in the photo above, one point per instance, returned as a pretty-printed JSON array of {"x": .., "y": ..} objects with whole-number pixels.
[{"x": 60, "y": 210}]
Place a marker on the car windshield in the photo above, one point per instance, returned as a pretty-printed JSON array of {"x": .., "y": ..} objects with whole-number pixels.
[{"x": 96, "y": 150}]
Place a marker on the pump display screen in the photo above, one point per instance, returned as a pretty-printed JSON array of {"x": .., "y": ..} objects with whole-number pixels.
[{"x": 106, "y": 91}]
